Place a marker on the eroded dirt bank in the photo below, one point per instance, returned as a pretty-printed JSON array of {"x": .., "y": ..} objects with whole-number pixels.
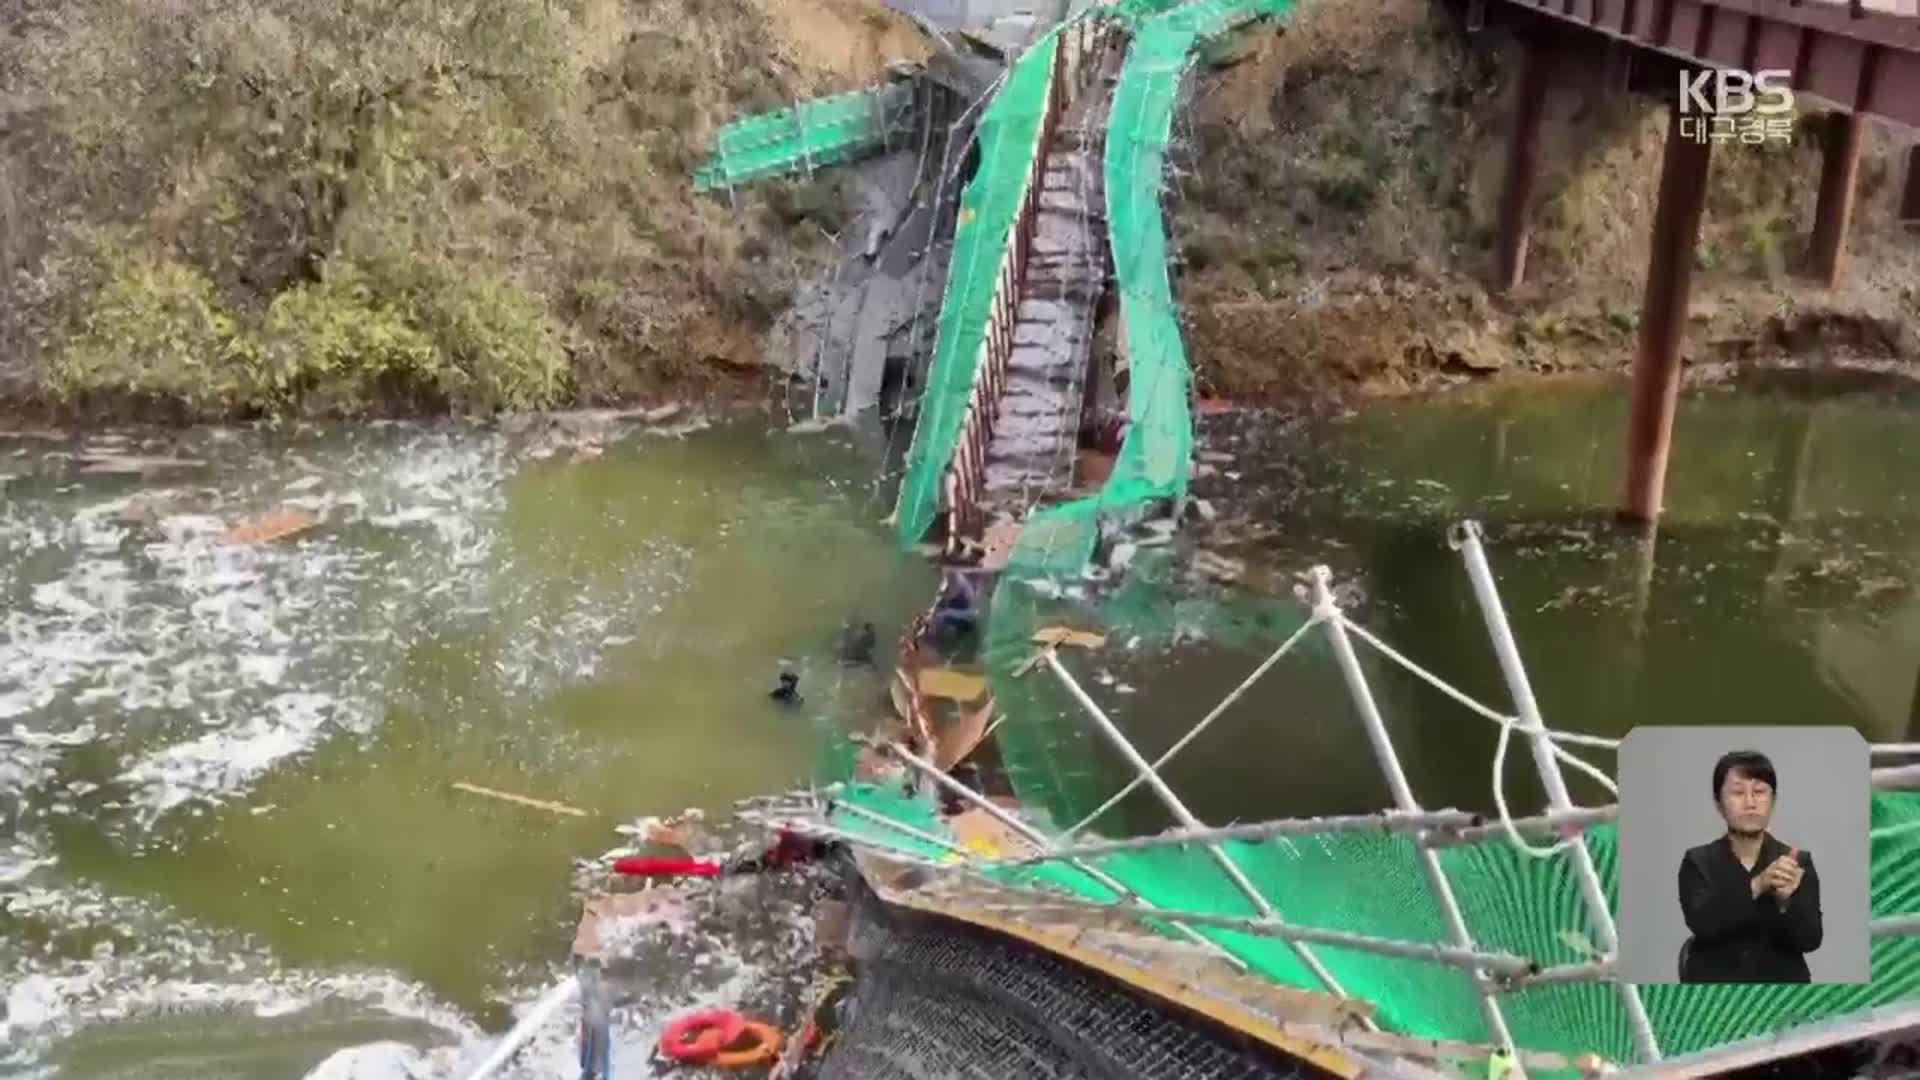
[{"x": 1338, "y": 191}]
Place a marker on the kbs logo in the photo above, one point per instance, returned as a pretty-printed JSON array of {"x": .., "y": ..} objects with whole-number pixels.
[{"x": 1724, "y": 104}]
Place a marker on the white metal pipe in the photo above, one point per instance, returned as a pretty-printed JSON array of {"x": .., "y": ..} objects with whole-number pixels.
[
  {"x": 1552, "y": 821},
  {"x": 1185, "y": 817},
  {"x": 1435, "y": 828},
  {"x": 1500, "y": 963},
  {"x": 1466, "y": 538},
  {"x": 1720, "y": 1060},
  {"x": 1000, "y": 815},
  {"x": 536, "y": 1018},
  {"x": 1225, "y": 703},
  {"x": 902, "y": 827},
  {"x": 1899, "y": 777},
  {"x": 1895, "y": 926},
  {"x": 1389, "y": 761},
  {"x": 1390, "y": 821}
]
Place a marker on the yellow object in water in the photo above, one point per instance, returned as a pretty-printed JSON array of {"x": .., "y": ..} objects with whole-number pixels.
[
  {"x": 1065, "y": 635},
  {"x": 952, "y": 685}
]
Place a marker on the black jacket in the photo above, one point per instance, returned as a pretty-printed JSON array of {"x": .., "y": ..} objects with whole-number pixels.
[{"x": 1740, "y": 939}]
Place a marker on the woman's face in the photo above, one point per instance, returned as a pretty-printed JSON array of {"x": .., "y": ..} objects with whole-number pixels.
[{"x": 1746, "y": 803}]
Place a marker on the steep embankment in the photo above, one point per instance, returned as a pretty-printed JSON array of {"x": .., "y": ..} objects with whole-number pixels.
[
  {"x": 1337, "y": 214},
  {"x": 274, "y": 206}
]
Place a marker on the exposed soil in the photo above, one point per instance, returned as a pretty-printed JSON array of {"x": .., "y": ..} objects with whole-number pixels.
[
  {"x": 1335, "y": 197},
  {"x": 587, "y": 205}
]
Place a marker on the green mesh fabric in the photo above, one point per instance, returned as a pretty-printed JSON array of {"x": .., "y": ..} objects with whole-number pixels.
[
  {"x": 1154, "y": 459},
  {"x": 1363, "y": 883},
  {"x": 1372, "y": 884},
  {"x": 824, "y": 131},
  {"x": 1008, "y": 135}
]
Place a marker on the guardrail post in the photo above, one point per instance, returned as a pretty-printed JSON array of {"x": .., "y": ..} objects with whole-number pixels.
[
  {"x": 1466, "y": 540},
  {"x": 1119, "y": 741},
  {"x": 1389, "y": 761}
]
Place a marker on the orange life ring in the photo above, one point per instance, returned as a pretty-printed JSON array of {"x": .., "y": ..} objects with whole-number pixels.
[
  {"x": 765, "y": 1047},
  {"x": 716, "y": 1028}
]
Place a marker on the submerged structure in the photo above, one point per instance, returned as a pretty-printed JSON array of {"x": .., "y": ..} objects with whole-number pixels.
[{"x": 996, "y": 924}]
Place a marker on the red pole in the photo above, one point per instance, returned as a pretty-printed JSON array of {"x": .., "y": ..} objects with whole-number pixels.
[
  {"x": 1663, "y": 317},
  {"x": 1839, "y": 168},
  {"x": 1523, "y": 166}
]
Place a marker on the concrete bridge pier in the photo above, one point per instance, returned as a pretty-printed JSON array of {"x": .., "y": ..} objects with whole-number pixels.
[
  {"x": 1839, "y": 173},
  {"x": 1663, "y": 318}
]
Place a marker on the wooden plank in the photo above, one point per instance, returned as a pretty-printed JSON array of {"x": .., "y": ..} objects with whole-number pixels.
[
  {"x": 268, "y": 527},
  {"x": 953, "y": 685},
  {"x": 537, "y": 804}
]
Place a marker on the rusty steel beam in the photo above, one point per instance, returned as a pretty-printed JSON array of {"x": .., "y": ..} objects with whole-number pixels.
[
  {"x": 1663, "y": 318},
  {"x": 1850, "y": 59},
  {"x": 1523, "y": 164},
  {"x": 1839, "y": 171}
]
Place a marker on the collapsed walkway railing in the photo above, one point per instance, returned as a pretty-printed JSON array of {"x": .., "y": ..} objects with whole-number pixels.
[
  {"x": 806, "y": 136},
  {"x": 946, "y": 465},
  {"x": 873, "y": 820}
]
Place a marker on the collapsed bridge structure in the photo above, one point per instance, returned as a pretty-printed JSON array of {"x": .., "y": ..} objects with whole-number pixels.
[{"x": 1396, "y": 943}]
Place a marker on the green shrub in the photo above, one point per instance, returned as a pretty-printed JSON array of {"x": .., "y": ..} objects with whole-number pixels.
[
  {"x": 334, "y": 348},
  {"x": 153, "y": 329},
  {"x": 496, "y": 347}
]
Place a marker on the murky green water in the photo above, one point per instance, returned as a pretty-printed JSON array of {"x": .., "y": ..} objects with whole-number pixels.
[
  {"x": 227, "y": 780},
  {"x": 235, "y": 763},
  {"x": 1779, "y": 588}
]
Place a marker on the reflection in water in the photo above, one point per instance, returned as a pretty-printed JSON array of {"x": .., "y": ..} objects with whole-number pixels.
[{"x": 1778, "y": 589}]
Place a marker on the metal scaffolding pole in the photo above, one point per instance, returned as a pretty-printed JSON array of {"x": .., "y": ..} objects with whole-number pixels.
[
  {"x": 1185, "y": 817},
  {"x": 1389, "y": 761},
  {"x": 1466, "y": 539},
  {"x": 1034, "y": 835},
  {"x": 1500, "y": 963},
  {"x": 1441, "y": 828}
]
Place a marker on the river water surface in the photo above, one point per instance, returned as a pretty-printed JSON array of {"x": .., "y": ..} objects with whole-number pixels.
[
  {"x": 227, "y": 772},
  {"x": 1779, "y": 588}
]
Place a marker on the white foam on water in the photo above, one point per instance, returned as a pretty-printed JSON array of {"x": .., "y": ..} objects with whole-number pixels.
[
  {"x": 229, "y": 759},
  {"x": 208, "y": 666},
  {"x": 221, "y": 662}
]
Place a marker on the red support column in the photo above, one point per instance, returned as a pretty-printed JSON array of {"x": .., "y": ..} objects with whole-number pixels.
[
  {"x": 1840, "y": 166},
  {"x": 1523, "y": 165},
  {"x": 1663, "y": 316}
]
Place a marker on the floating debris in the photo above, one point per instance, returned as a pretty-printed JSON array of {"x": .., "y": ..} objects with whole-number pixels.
[
  {"x": 523, "y": 800},
  {"x": 110, "y": 464},
  {"x": 1063, "y": 635},
  {"x": 270, "y": 527}
]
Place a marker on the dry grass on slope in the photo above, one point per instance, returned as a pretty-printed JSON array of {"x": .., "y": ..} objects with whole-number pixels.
[
  {"x": 1338, "y": 217},
  {"x": 470, "y": 204}
]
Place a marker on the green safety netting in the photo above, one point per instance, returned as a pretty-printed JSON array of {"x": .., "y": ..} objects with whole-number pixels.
[
  {"x": 1372, "y": 884},
  {"x": 1362, "y": 883},
  {"x": 1008, "y": 136},
  {"x": 824, "y": 131},
  {"x": 1154, "y": 459}
]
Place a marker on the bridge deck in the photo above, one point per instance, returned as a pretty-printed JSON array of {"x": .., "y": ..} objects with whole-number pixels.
[{"x": 1037, "y": 422}]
